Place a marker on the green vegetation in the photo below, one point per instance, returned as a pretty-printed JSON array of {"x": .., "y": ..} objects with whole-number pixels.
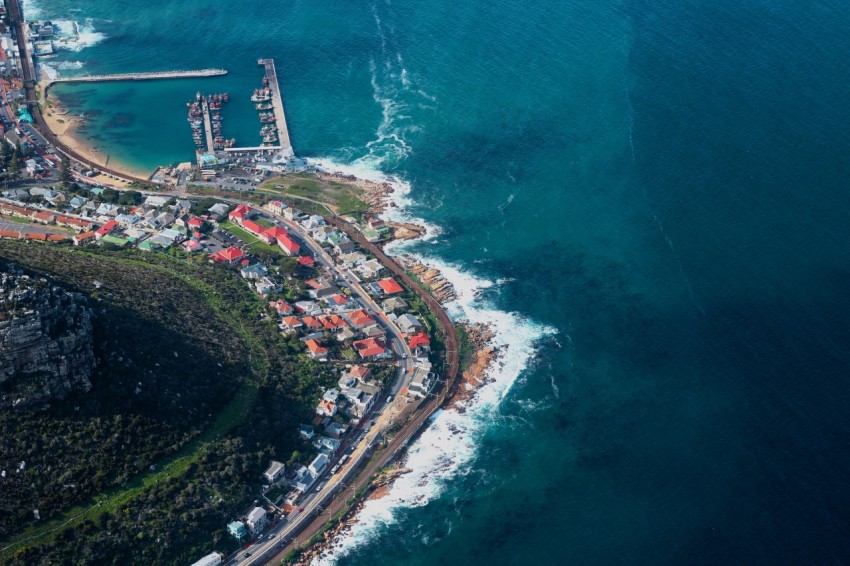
[
  {"x": 190, "y": 381},
  {"x": 342, "y": 198}
]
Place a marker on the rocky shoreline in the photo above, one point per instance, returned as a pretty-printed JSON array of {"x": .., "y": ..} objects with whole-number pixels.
[
  {"x": 377, "y": 489},
  {"x": 484, "y": 352}
]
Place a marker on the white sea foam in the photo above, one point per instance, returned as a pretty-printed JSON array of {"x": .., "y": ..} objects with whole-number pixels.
[
  {"x": 70, "y": 65},
  {"x": 76, "y": 36},
  {"x": 448, "y": 445},
  {"x": 31, "y": 10}
]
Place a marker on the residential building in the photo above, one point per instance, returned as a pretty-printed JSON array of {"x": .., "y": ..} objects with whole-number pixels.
[
  {"x": 407, "y": 323},
  {"x": 219, "y": 210},
  {"x": 336, "y": 430},
  {"x": 237, "y": 530},
  {"x": 420, "y": 340},
  {"x": 230, "y": 256},
  {"x": 267, "y": 286},
  {"x": 370, "y": 269},
  {"x": 326, "y": 444},
  {"x": 421, "y": 382},
  {"x": 256, "y": 520},
  {"x": 306, "y": 432},
  {"x": 274, "y": 472},
  {"x": 318, "y": 465},
  {"x": 326, "y": 408},
  {"x": 389, "y": 286},
  {"x": 370, "y": 348},
  {"x": 275, "y": 207},
  {"x": 84, "y": 238},
  {"x": 316, "y": 350},
  {"x": 239, "y": 214},
  {"x": 255, "y": 271}
]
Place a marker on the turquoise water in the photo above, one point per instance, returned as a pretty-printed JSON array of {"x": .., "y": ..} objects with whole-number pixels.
[{"x": 657, "y": 189}]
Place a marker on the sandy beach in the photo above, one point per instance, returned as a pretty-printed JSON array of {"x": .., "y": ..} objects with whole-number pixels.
[{"x": 64, "y": 126}]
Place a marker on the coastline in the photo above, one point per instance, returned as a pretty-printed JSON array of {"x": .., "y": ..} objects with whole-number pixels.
[
  {"x": 64, "y": 126},
  {"x": 482, "y": 358}
]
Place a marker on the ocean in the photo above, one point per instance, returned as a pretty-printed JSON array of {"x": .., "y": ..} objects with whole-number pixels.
[{"x": 648, "y": 199}]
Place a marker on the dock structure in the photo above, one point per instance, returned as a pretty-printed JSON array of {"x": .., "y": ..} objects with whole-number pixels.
[
  {"x": 152, "y": 76},
  {"x": 205, "y": 107},
  {"x": 277, "y": 105}
]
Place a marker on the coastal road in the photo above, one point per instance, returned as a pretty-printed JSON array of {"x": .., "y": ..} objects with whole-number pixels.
[
  {"x": 316, "y": 503},
  {"x": 331, "y": 500}
]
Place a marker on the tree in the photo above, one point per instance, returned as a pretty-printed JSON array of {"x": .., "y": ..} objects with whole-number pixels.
[
  {"x": 5, "y": 153},
  {"x": 14, "y": 165},
  {"x": 65, "y": 176}
]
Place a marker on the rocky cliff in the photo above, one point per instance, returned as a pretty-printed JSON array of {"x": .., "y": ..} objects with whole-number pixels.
[{"x": 45, "y": 340}]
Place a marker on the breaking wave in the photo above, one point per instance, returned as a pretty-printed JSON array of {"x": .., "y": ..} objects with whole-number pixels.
[{"x": 448, "y": 444}]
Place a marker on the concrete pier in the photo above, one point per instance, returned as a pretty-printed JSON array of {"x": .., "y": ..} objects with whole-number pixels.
[
  {"x": 277, "y": 105},
  {"x": 205, "y": 107},
  {"x": 152, "y": 76}
]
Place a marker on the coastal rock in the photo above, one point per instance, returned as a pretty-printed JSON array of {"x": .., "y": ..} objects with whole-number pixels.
[
  {"x": 406, "y": 231},
  {"x": 45, "y": 341}
]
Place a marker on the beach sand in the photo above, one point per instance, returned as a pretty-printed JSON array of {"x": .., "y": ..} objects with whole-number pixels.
[{"x": 64, "y": 126}]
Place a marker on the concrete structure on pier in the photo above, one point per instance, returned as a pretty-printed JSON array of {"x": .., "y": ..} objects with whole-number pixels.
[
  {"x": 205, "y": 107},
  {"x": 277, "y": 105}
]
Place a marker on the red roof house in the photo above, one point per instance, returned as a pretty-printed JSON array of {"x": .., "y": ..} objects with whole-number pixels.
[
  {"x": 369, "y": 348},
  {"x": 239, "y": 214},
  {"x": 311, "y": 322},
  {"x": 106, "y": 229},
  {"x": 282, "y": 307},
  {"x": 231, "y": 255},
  {"x": 315, "y": 349},
  {"x": 195, "y": 222},
  {"x": 307, "y": 260},
  {"x": 360, "y": 318},
  {"x": 360, "y": 372},
  {"x": 275, "y": 232},
  {"x": 389, "y": 286},
  {"x": 292, "y": 322},
  {"x": 418, "y": 340},
  {"x": 287, "y": 244}
]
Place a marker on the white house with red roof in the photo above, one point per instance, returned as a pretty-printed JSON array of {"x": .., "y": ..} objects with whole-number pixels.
[
  {"x": 106, "y": 229},
  {"x": 287, "y": 244},
  {"x": 316, "y": 350},
  {"x": 275, "y": 207},
  {"x": 240, "y": 214},
  {"x": 370, "y": 348},
  {"x": 229, "y": 256}
]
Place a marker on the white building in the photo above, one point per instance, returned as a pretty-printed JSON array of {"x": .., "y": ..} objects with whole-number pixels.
[
  {"x": 256, "y": 520},
  {"x": 274, "y": 472},
  {"x": 318, "y": 465}
]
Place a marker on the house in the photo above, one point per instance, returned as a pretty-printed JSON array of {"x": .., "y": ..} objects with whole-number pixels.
[
  {"x": 331, "y": 395},
  {"x": 394, "y": 304},
  {"x": 219, "y": 210},
  {"x": 308, "y": 307},
  {"x": 326, "y": 444},
  {"x": 407, "y": 323},
  {"x": 287, "y": 244},
  {"x": 306, "y": 432},
  {"x": 389, "y": 286},
  {"x": 370, "y": 348},
  {"x": 359, "y": 318},
  {"x": 211, "y": 559},
  {"x": 275, "y": 207},
  {"x": 127, "y": 220},
  {"x": 326, "y": 408},
  {"x": 421, "y": 382},
  {"x": 84, "y": 238},
  {"x": 237, "y": 530},
  {"x": 316, "y": 351},
  {"x": 338, "y": 302},
  {"x": 239, "y": 214},
  {"x": 311, "y": 322},
  {"x": 271, "y": 235},
  {"x": 165, "y": 218},
  {"x": 291, "y": 323},
  {"x": 75, "y": 223},
  {"x": 344, "y": 247},
  {"x": 313, "y": 222},
  {"x": 370, "y": 269},
  {"x": 274, "y": 472},
  {"x": 359, "y": 372},
  {"x": 256, "y": 271},
  {"x": 195, "y": 223},
  {"x": 282, "y": 307},
  {"x": 156, "y": 201},
  {"x": 318, "y": 465},
  {"x": 359, "y": 399},
  {"x": 303, "y": 479},
  {"x": 267, "y": 286},
  {"x": 44, "y": 217},
  {"x": 192, "y": 246},
  {"x": 420, "y": 340},
  {"x": 106, "y": 229},
  {"x": 336, "y": 430},
  {"x": 352, "y": 259},
  {"x": 345, "y": 334},
  {"x": 256, "y": 520},
  {"x": 230, "y": 256},
  {"x": 252, "y": 227},
  {"x": 77, "y": 202}
]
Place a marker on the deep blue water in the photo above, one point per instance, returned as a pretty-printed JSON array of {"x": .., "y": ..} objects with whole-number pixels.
[{"x": 665, "y": 183}]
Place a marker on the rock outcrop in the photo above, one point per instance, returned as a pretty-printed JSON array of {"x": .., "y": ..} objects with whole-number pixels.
[{"x": 45, "y": 341}]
